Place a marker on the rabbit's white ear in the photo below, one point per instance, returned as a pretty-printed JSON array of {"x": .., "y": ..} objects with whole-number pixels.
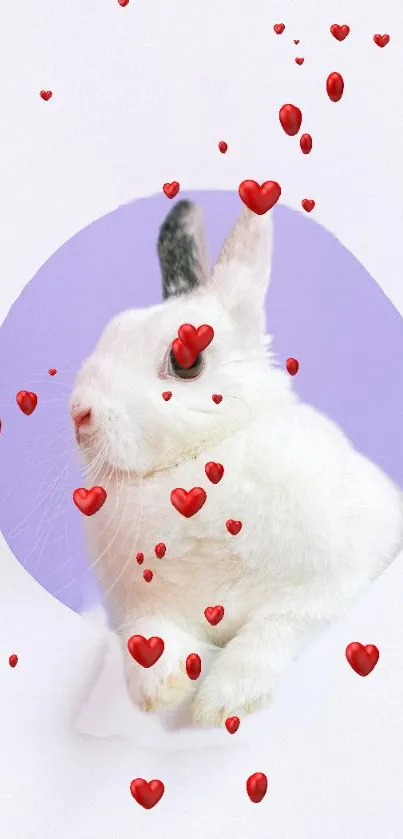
[
  {"x": 182, "y": 250},
  {"x": 241, "y": 274}
]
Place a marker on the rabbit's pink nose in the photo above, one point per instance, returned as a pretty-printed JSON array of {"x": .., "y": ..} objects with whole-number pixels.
[{"x": 81, "y": 418}]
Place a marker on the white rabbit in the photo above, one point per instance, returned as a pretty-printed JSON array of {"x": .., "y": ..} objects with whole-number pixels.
[{"x": 319, "y": 520}]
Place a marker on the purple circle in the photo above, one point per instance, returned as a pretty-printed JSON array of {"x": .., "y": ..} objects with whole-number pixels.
[{"x": 323, "y": 308}]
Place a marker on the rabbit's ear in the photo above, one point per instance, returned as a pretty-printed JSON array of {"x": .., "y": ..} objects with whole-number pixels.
[
  {"x": 241, "y": 274},
  {"x": 182, "y": 250}
]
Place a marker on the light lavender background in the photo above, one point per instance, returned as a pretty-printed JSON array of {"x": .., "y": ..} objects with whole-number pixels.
[{"x": 322, "y": 307}]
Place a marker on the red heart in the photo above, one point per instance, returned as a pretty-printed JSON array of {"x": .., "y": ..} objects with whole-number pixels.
[
  {"x": 279, "y": 28},
  {"x": 140, "y": 557},
  {"x": 145, "y": 652},
  {"x": 26, "y": 401},
  {"x": 188, "y": 503},
  {"x": 123, "y": 3},
  {"x": 299, "y": 60},
  {"x": 362, "y": 659},
  {"x": 148, "y": 575},
  {"x": 52, "y": 371},
  {"x": 183, "y": 354},
  {"x": 89, "y": 501},
  {"x": 217, "y": 398},
  {"x": 335, "y": 86},
  {"x": 233, "y": 526},
  {"x": 256, "y": 787},
  {"x": 381, "y": 40},
  {"x": 214, "y": 614},
  {"x": 260, "y": 199},
  {"x": 290, "y": 118},
  {"x": 306, "y": 143},
  {"x": 160, "y": 550},
  {"x": 308, "y": 204},
  {"x": 223, "y": 146},
  {"x": 166, "y": 395},
  {"x": 198, "y": 339},
  {"x": 232, "y": 724},
  {"x": 46, "y": 95},
  {"x": 292, "y": 366},
  {"x": 193, "y": 666},
  {"x": 297, "y": 41},
  {"x": 214, "y": 471},
  {"x": 171, "y": 189},
  {"x": 339, "y": 32},
  {"x": 147, "y": 793},
  {"x": 13, "y": 660}
]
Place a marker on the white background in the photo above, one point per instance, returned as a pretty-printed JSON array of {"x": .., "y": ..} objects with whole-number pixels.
[{"x": 142, "y": 95}]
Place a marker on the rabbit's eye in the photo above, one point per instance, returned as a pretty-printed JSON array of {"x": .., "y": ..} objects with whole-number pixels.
[{"x": 175, "y": 369}]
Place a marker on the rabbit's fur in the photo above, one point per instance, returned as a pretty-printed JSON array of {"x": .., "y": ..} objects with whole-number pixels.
[{"x": 320, "y": 521}]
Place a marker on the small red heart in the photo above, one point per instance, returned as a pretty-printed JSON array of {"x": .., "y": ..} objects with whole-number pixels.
[
  {"x": 193, "y": 666},
  {"x": 223, "y": 146},
  {"x": 145, "y": 652},
  {"x": 185, "y": 356},
  {"x": 362, "y": 659},
  {"x": 13, "y": 660},
  {"x": 198, "y": 339},
  {"x": 46, "y": 95},
  {"x": 52, "y": 371},
  {"x": 148, "y": 575},
  {"x": 308, "y": 204},
  {"x": 299, "y": 61},
  {"x": 292, "y": 366},
  {"x": 291, "y": 119},
  {"x": 261, "y": 198},
  {"x": 214, "y": 471},
  {"x": 123, "y": 3},
  {"x": 188, "y": 503},
  {"x": 381, "y": 40},
  {"x": 147, "y": 793},
  {"x": 339, "y": 32},
  {"x": 232, "y": 724},
  {"x": 233, "y": 526},
  {"x": 171, "y": 189},
  {"x": 306, "y": 143},
  {"x": 279, "y": 28},
  {"x": 166, "y": 395},
  {"x": 335, "y": 87},
  {"x": 26, "y": 401},
  {"x": 140, "y": 557},
  {"x": 217, "y": 398},
  {"x": 256, "y": 787},
  {"x": 160, "y": 550},
  {"x": 214, "y": 614},
  {"x": 89, "y": 501},
  {"x": 297, "y": 41}
]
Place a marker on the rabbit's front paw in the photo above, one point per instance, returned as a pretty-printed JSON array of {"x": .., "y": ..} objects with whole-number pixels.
[
  {"x": 221, "y": 696},
  {"x": 167, "y": 691}
]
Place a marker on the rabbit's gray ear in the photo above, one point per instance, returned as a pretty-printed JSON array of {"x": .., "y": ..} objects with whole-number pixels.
[{"x": 182, "y": 250}]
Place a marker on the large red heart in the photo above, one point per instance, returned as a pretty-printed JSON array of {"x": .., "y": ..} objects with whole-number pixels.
[
  {"x": 185, "y": 356},
  {"x": 214, "y": 614},
  {"x": 27, "y": 401},
  {"x": 147, "y": 793},
  {"x": 196, "y": 339},
  {"x": 171, "y": 189},
  {"x": 381, "y": 40},
  {"x": 339, "y": 32},
  {"x": 89, "y": 501},
  {"x": 188, "y": 503},
  {"x": 256, "y": 787},
  {"x": 145, "y": 652},
  {"x": 214, "y": 471},
  {"x": 362, "y": 659},
  {"x": 259, "y": 199}
]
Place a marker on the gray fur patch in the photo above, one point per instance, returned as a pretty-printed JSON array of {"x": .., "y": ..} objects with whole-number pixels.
[{"x": 181, "y": 250}]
